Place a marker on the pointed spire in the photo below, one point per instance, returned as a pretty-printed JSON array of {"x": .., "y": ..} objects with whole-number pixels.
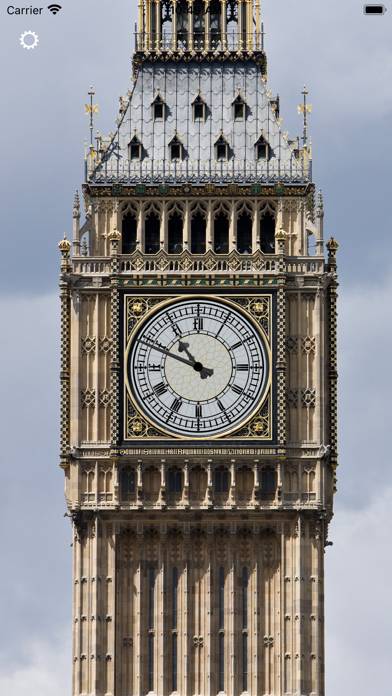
[{"x": 305, "y": 109}]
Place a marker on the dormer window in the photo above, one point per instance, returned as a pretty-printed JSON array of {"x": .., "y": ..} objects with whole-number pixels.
[
  {"x": 262, "y": 149},
  {"x": 135, "y": 149},
  {"x": 199, "y": 109},
  {"x": 176, "y": 149},
  {"x": 239, "y": 109},
  {"x": 158, "y": 108},
  {"x": 221, "y": 149}
]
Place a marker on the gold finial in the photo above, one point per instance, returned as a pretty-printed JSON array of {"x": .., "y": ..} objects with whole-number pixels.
[
  {"x": 332, "y": 246},
  {"x": 65, "y": 246},
  {"x": 305, "y": 109},
  {"x": 280, "y": 235}
]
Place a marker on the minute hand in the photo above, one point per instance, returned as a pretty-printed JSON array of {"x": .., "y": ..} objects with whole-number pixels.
[
  {"x": 166, "y": 352},
  {"x": 198, "y": 367}
]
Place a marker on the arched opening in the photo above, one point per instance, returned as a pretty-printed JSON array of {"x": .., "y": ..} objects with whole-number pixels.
[
  {"x": 267, "y": 233},
  {"x": 268, "y": 483},
  {"x": 244, "y": 484},
  {"x": 152, "y": 233},
  {"x": 166, "y": 24},
  {"x": 197, "y": 485},
  {"x": 151, "y": 484},
  {"x": 175, "y": 232},
  {"x": 215, "y": 10},
  {"x": 127, "y": 483},
  {"x": 232, "y": 24},
  {"x": 221, "y": 233},
  {"x": 244, "y": 233},
  {"x": 182, "y": 23},
  {"x": 174, "y": 480},
  {"x": 198, "y": 24},
  {"x": 198, "y": 233},
  {"x": 129, "y": 233},
  {"x": 221, "y": 479}
]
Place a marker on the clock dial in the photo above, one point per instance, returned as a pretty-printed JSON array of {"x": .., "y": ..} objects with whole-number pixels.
[{"x": 197, "y": 368}]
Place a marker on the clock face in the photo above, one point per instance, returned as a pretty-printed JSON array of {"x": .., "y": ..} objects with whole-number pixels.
[{"x": 198, "y": 368}]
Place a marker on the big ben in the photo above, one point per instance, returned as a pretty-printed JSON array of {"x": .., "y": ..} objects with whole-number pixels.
[{"x": 198, "y": 376}]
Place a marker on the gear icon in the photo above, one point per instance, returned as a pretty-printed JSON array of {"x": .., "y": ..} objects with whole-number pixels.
[{"x": 32, "y": 40}]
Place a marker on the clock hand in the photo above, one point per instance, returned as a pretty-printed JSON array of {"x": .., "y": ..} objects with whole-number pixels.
[
  {"x": 198, "y": 367},
  {"x": 204, "y": 371},
  {"x": 183, "y": 347}
]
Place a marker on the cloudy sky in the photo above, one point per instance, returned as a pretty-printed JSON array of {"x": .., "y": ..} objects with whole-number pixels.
[{"x": 345, "y": 59}]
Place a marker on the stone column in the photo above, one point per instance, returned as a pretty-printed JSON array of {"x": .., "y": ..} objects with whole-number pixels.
[
  {"x": 224, "y": 25},
  {"x": 207, "y": 35},
  {"x": 174, "y": 32}
]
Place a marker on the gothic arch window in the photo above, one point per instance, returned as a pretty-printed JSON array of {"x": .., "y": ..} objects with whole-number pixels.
[
  {"x": 267, "y": 232},
  {"x": 158, "y": 108},
  {"x": 176, "y": 149},
  {"x": 198, "y": 484},
  {"x": 232, "y": 24},
  {"x": 127, "y": 482},
  {"x": 182, "y": 25},
  {"x": 215, "y": 12},
  {"x": 199, "y": 108},
  {"x": 135, "y": 149},
  {"x": 244, "y": 232},
  {"x": 221, "y": 232},
  {"x": 152, "y": 230},
  {"x": 268, "y": 483},
  {"x": 239, "y": 109},
  {"x": 221, "y": 479},
  {"x": 105, "y": 485},
  {"x": 198, "y": 230},
  {"x": 88, "y": 485},
  {"x": 175, "y": 232},
  {"x": 221, "y": 149},
  {"x": 262, "y": 149},
  {"x": 151, "y": 484},
  {"x": 129, "y": 232},
  {"x": 174, "y": 480},
  {"x": 244, "y": 484},
  {"x": 199, "y": 24}
]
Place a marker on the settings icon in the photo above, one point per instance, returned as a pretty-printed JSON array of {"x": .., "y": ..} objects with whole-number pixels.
[{"x": 29, "y": 39}]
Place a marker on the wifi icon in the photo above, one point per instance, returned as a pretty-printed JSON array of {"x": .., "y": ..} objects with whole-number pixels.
[{"x": 54, "y": 9}]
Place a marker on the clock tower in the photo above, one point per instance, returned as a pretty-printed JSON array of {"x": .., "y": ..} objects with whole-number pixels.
[{"x": 198, "y": 376}]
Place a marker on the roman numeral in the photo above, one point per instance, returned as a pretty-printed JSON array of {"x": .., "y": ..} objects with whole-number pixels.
[
  {"x": 176, "y": 405},
  {"x": 175, "y": 328},
  {"x": 242, "y": 367},
  {"x": 154, "y": 368},
  {"x": 198, "y": 324},
  {"x": 220, "y": 405},
  {"x": 160, "y": 389},
  {"x": 199, "y": 411},
  {"x": 236, "y": 345},
  {"x": 236, "y": 389}
]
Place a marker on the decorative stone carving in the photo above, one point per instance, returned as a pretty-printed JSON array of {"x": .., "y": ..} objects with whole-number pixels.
[
  {"x": 88, "y": 344},
  {"x": 308, "y": 397},
  {"x": 88, "y": 398}
]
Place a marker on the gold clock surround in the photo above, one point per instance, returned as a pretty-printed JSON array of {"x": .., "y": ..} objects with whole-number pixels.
[{"x": 256, "y": 308}]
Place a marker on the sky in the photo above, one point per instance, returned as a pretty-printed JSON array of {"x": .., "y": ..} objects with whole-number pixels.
[{"x": 345, "y": 60}]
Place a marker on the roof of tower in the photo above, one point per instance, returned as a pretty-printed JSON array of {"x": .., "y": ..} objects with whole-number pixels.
[{"x": 222, "y": 86}]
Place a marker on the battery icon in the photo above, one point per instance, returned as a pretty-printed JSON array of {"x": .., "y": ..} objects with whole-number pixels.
[{"x": 374, "y": 9}]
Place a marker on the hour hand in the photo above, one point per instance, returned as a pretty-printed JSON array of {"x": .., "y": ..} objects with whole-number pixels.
[
  {"x": 206, "y": 372},
  {"x": 183, "y": 348}
]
